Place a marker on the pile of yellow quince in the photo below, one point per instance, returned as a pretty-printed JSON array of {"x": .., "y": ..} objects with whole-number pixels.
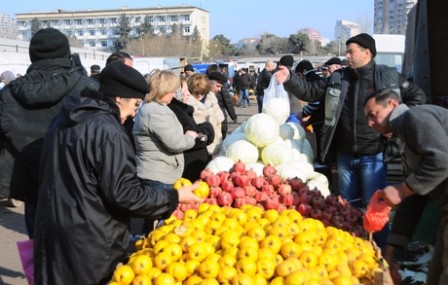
[{"x": 223, "y": 245}]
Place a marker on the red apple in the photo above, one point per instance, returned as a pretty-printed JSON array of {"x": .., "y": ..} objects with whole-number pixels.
[
  {"x": 212, "y": 180},
  {"x": 239, "y": 167},
  {"x": 268, "y": 189},
  {"x": 178, "y": 214},
  {"x": 250, "y": 190},
  {"x": 284, "y": 189},
  {"x": 204, "y": 173},
  {"x": 223, "y": 175},
  {"x": 258, "y": 182},
  {"x": 251, "y": 174},
  {"x": 270, "y": 203},
  {"x": 239, "y": 202},
  {"x": 227, "y": 186},
  {"x": 287, "y": 199},
  {"x": 241, "y": 180},
  {"x": 238, "y": 192},
  {"x": 268, "y": 170},
  {"x": 260, "y": 196},
  {"x": 211, "y": 201},
  {"x": 296, "y": 183},
  {"x": 275, "y": 179},
  {"x": 224, "y": 199},
  {"x": 215, "y": 191}
]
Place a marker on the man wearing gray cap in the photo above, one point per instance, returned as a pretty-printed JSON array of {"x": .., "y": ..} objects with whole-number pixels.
[{"x": 357, "y": 149}]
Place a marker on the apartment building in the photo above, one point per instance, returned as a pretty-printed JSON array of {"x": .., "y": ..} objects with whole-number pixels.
[
  {"x": 391, "y": 16},
  {"x": 98, "y": 29},
  {"x": 7, "y": 27}
]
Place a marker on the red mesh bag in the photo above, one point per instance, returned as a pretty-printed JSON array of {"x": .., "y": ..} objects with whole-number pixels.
[{"x": 377, "y": 213}]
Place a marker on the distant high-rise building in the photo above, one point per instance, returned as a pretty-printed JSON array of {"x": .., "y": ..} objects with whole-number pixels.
[
  {"x": 345, "y": 30},
  {"x": 391, "y": 16},
  {"x": 313, "y": 34},
  {"x": 7, "y": 27},
  {"x": 99, "y": 28}
]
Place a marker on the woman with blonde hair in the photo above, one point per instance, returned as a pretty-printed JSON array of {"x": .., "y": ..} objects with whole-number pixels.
[
  {"x": 159, "y": 137},
  {"x": 206, "y": 108}
]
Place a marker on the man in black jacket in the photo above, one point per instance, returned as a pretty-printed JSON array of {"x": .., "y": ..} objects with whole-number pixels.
[
  {"x": 27, "y": 106},
  {"x": 263, "y": 80},
  {"x": 219, "y": 87},
  {"x": 358, "y": 149}
]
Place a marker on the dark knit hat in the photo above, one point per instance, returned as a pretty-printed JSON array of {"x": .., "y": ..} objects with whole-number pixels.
[
  {"x": 287, "y": 60},
  {"x": 333, "y": 60},
  {"x": 120, "y": 80},
  {"x": 304, "y": 65},
  {"x": 188, "y": 67},
  {"x": 49, "y": 43},
  {"x": 364, "y": 40},
  {"x": 218, "y": 76},
  {"x": 95, "y": 68}
]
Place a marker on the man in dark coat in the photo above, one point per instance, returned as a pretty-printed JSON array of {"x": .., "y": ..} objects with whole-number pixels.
[
  {"x": 89, "y": 187},
  {"x": 28, "y": 104},
  {"x": 263, "y": 81},
  {"x": 219, "y": 87},
  {"x": 358, "y": 149}
]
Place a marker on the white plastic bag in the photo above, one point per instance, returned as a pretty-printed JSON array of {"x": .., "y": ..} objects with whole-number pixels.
[{"x": 276, "y": 101}]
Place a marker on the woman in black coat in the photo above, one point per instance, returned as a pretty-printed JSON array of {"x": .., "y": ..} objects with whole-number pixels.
[{"x": 196, "y": 158}]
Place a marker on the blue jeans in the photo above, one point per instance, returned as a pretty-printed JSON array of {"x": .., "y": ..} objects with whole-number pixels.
[
  {"x": 244, "y": 98},
  {"x": 358, "y": 178}
]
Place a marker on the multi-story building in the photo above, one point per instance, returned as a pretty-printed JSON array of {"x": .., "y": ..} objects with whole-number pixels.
[
  {"x": 99, "y": 28},
  {"x": 345, "y": 30},
  {"x": 391, "y": 16},
  {"x": 7, "y": 27}
]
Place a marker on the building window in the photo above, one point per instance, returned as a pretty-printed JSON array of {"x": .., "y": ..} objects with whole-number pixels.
[
  {"x": 113, "y": 20},
  {"x": 103, "y": 32},
  {"x": 116, "y": 32},
  {"x": 80, "y": 33},
  {"x": 162, "y": 19},
  {"x": 92, "y": 44},
  {"x": 104, "y": 44},
  {"x": 187, "y": 30},
  {"x": 92, "y": 32},
  {"x": 102, "y": 21},
  {"x": 151, "y": 19},
  {"x": 138, "y": 32},
  {"x": 187, "y": 17},
  {"x": 78, "y": 22},
  {"x": 174, "y": 18},
  {"x": 69, "y": 34},
  {"x": 90, "y": 21},
  {"x": 68, "y": 22},
  {"x": 138, "y": 20}
]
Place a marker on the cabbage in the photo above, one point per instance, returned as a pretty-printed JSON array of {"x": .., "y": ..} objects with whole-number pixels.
[
  {"x": 299, "y": 169},
  {"x": 317, "y": 184},
  {"x": 261, "y": 130},
  {"x": 307, "y": 149},
  {"x": 299, "y": 131},
  {"x": 242, "y": 150},
  {"x": 278, "y": 108},
  {"x": 276, "y": 154},
  {"x": 230, "y": 139},
  {"x": 286, "y": 131},
  {"x": 317, "y": 176},
  {"x": 220, "y": 163}
]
